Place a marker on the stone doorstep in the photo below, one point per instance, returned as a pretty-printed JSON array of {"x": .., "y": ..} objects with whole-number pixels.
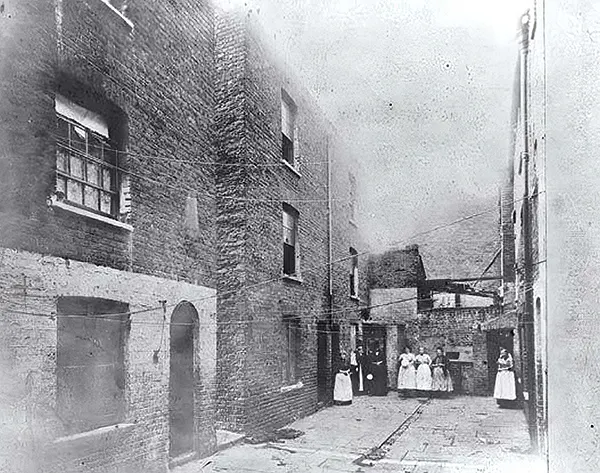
[{"x": 226, "y": 439}]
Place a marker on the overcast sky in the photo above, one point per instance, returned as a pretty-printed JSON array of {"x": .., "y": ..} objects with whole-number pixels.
[{"x": 421, "y": 89}]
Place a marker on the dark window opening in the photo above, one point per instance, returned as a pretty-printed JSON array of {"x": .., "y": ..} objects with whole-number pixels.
[
  {"x": 288, "y": 149},
  {"x": 90, "y": 362}
]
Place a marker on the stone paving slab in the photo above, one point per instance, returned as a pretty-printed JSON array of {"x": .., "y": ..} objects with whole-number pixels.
[
  {"x": 464, "y": 434},
  {"x": 357, "y": 428}
]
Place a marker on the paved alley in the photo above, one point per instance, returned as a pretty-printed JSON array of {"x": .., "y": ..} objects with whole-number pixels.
[{"x": 461, "y": 434}]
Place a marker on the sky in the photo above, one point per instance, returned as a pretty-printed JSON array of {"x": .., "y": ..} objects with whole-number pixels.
[{"x": 421, "y": 91}]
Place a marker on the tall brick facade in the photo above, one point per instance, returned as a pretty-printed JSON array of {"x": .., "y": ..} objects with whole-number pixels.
[
  {"x": 526, "y": 185},
  {"x": 148, "y": 73},
  {"x": 276, "y": 338}
]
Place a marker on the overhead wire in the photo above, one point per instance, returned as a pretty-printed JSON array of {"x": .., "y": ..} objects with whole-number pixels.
[{"x": 264, "y": 282}]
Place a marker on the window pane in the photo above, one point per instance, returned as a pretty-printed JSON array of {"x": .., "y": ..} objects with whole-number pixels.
[
  {"x": 287, "y": 149},
  {"x": 106, "y": 202},
  {"x": 76, "y": 167},
  {"x": 91, "y": 197},
  {"x": 107, "y": 179},
  {"x": 289, "y": 259},
  {"x": 110, "y": 154},
  {"x": 61, "y": 185},
  {"x": 62, "y": 160},
  {"x": 74, "y": 191},
  {"x": 93, "y": 173},
  {"x": 62, "y": 131},
  {"x": 95, "y": 146},
  {"x": 78, "y": 138},
  {"x": 287, "y": 120}
]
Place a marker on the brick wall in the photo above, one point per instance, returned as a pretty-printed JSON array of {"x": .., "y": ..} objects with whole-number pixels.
[
  {"x": 31, "y": 284},
  {"x": 396, "y": 268},
  {"x": 253, "y": 394},
  {"x": 158, "y": 77}
]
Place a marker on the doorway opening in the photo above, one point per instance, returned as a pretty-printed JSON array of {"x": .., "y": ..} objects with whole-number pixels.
[
  {"x": 495, "y": 339},
  {"x": 181, "y": 380}
]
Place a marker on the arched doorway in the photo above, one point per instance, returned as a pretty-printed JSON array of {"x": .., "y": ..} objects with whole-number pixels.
[{"x": 181, "y": 380}]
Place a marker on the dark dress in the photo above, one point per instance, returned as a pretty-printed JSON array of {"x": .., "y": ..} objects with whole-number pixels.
[
  {"x": 359, "y": 373},
  {"x": 377, "y": 368}
]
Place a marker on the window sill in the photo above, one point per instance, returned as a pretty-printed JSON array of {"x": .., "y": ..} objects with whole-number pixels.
[
  {"x": 355, "y": 298},
  {"x": 118, "y": 13},
  {"x": 92, "y": 215},
  {"x": 292, "y": 278},
  {"x": 292, "y": 387},
  {"x": 90, "y": 434},
  {"x": 353, "y": 223},
  {"x": 291, "y": 167}
]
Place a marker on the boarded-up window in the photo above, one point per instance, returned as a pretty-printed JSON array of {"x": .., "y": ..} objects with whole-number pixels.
[
  {"x": 293, "y": 337},
  {"x": 290, "y": 241},
  {"x": 90, "y": 362}
]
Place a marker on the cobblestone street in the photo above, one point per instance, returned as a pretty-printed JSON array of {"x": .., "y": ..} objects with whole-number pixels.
[{"x": 462, "y": 434}]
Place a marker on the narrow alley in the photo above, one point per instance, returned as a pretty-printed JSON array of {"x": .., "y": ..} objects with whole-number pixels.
[{"x": 385, "y": 434}]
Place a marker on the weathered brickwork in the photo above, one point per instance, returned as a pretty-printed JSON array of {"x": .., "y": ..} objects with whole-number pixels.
[
  {"x": 397, "y": 268},
  {"x": 158, "y": 79},
  {"x": 30, "y": 285},
  {"x": 151, "y": 75},
  {"x": 527, "y": 182},
  {"x": 253, "y": 184}
]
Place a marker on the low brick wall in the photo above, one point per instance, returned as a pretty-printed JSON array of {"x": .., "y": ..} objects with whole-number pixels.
[{"x": 458, "y": 330}]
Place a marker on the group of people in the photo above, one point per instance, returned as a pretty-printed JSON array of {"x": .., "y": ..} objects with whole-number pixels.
[
  {"x": 360, "y": 374},
  {"x": 366, "y": 374},
  {"x": 422, "y": 375}
]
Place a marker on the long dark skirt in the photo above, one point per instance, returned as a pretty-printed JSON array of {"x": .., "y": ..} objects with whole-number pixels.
[{"x": 378, "y": 385}]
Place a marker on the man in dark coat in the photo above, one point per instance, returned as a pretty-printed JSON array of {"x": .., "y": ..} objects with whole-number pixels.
[
  {"x": 358, "y": 367},
  {"x": 378, "y": 372}
]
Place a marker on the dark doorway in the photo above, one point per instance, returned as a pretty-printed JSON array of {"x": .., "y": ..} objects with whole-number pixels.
[
  {"x": 323, "y": 380},
  {"x": 374, "y": 335},
  {"x": 494, "y": 340},
  {"x": 335, "y": 353},
  {"x": 181, "y": 380}
]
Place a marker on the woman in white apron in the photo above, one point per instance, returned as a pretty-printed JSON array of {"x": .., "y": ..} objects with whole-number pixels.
[
  {"x": 407, "y": 375},
  {"x": 342, "y": 389},
  {"x": 423, "y": 362},
  {"x": 504, "y": 390}
]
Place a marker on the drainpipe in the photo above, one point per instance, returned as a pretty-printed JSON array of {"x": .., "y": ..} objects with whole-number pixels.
[
  {"x": 329, "y": 231},
  {"x": 528, "y": 318},
  {"x": 330, "y": 321}
]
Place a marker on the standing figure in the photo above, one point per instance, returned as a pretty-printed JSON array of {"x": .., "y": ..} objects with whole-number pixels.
[
  {"x": 407, "y": 375},
  {"x": 378, "y": 372},
  {"x": 342, "y": 389},
  {"x": 441, "y": 381},
  {"x": 504, "y": 390},
  {"x": 423, "y": 361},
  {"x": 357, "y": 372}
]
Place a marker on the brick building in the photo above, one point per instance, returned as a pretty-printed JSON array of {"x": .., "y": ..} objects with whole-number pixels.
[
  {"x": 107, "y": 274},
  {"x": 288, "y": 240},
  {"x": 524, "y": 224}
]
